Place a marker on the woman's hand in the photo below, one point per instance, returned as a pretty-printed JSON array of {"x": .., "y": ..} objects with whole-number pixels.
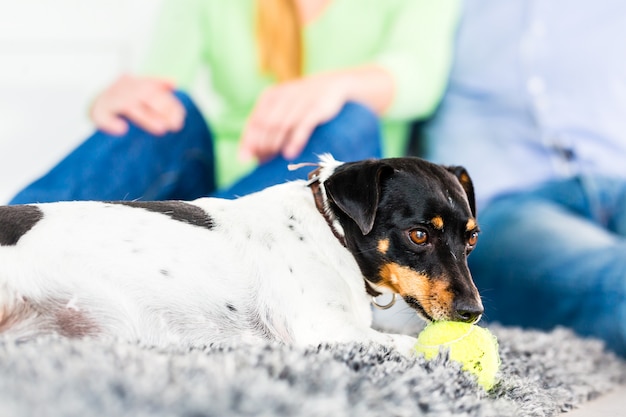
[
  {"x": 286, "y": 114},
  {"x": 147, "y": 102}
]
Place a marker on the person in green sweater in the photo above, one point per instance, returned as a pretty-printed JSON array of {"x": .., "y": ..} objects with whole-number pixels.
[{"x": 292, "y": 79}]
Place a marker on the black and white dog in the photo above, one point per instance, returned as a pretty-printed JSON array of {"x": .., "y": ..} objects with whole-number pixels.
[{"x": 295, "y": 263}]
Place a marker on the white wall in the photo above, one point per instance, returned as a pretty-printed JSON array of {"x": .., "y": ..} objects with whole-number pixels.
[{"x": 55, "y": 55}]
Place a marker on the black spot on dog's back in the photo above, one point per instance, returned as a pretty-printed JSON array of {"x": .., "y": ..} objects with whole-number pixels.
[
  {"x": 177, "y": 210},
  {"x": 16, "y": 221}
]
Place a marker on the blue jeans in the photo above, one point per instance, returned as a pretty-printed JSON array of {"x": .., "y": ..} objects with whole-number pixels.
[
  {"x": 180, "y": 165},
  {"x": 557, "y": 256}
]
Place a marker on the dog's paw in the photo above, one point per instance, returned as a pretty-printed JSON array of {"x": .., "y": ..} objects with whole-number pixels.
[{"x": 404, "y": 344}]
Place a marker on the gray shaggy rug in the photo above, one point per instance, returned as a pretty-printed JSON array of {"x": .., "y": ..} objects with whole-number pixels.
[{"x": 542, "y": 374}]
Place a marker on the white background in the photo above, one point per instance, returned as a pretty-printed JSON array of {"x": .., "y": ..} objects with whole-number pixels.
[{"x": 55, "y": 55}]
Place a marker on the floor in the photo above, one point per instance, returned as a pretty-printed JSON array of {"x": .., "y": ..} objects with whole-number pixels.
[{"x": 611, "y": 405}]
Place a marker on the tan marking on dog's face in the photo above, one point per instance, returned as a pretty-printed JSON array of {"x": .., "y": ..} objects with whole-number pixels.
[
  {"x": 432, "y": 294},
  {"x": 471, "y": 225},
  {"x": 437, "y": 222},
  {"x": 383, "y": 246}
]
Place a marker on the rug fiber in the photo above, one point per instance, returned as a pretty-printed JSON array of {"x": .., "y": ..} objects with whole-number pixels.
[{"x": 542, "y": 374}]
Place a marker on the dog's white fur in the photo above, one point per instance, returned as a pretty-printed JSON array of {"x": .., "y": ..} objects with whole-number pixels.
[{"x": 270, "y": 268}]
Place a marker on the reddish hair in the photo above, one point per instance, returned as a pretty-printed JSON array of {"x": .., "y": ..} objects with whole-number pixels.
[{"x": 279, "y": 38}]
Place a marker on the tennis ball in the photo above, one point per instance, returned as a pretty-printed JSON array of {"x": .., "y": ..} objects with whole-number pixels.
[{"x": 473, "y": 346}]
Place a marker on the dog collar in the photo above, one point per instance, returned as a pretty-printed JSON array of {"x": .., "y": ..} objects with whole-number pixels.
[
  {"x": 383, "y": 306},
  {"x": 318, "y": 196}
]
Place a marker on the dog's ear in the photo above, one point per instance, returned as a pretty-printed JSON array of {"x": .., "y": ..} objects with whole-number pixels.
[
  {"x": 355, "y": 189},
  {"x": 466, "y": 182}
]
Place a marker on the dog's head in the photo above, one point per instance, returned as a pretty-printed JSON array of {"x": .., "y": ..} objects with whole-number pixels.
[{"x": 410, "y": 225}]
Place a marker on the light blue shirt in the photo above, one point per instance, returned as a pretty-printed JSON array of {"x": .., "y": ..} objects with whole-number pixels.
[{"x": 537, "y": 92}]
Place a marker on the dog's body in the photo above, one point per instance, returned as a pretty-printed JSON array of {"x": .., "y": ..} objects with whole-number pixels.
[{"x": 270, "y": 265}]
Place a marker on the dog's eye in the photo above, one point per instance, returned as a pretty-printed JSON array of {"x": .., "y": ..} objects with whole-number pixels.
[
  {"x": 472, "y": 239},
  {"x": 418, "y": 236}
]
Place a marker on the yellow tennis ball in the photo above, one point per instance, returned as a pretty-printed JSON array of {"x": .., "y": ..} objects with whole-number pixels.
[{"x": 473, "y": 346}]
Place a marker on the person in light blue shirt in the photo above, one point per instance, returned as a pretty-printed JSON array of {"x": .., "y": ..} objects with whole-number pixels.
[{"x": 536, "y": 111}]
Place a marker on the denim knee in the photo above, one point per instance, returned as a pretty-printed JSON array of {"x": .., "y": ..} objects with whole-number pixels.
[
  {"x": 352, "y": 135},
  {"x": 177, "y": 165},
  {"x": 185, "y": 100},
  {"x": 193, "y": 174},
  {"x": 355, "y": 133}
]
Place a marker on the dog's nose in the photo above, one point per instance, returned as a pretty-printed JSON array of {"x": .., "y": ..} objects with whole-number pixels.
[{"x": 467, "y": 312}]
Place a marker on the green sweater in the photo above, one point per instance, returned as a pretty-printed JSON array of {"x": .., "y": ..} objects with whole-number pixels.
[{"x": 412, "y": 39}]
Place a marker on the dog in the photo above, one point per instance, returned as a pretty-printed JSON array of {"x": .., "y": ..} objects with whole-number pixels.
[{"x": 296, "y": 263}]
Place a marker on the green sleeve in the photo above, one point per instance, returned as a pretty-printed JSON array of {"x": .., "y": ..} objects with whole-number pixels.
[
  {"x": 176, "y": 47},
  {"x": 418, "y": 53}
]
